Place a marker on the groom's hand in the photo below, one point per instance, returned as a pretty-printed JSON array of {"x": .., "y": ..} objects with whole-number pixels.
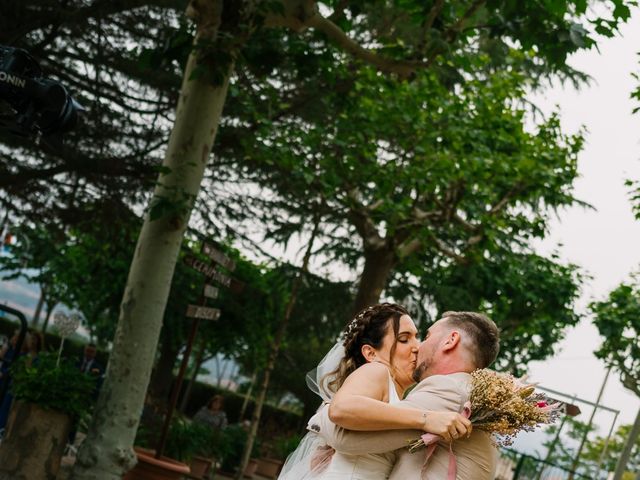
[{"x": 448, "y": 425}]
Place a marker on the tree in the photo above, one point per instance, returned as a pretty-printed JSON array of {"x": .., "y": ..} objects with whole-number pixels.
[
  {"x": 320, "y": 314},
  {"x": 87, "y": 46},
  {"x": 599, "y": 453},
  {"x": 433, "y": 175},
  {"x": 562, "y": 451},
  {"x": 618, "y": 321},
  {"x": 114, "y": 149},
  {"x": 595, "y": 453}
]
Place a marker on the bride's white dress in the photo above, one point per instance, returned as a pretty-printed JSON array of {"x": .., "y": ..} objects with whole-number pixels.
[{"x": 363, "y": 467}]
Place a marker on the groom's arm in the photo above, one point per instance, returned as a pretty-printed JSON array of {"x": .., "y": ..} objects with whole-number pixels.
[
  {"x": 359, "y": 443},
  {"x": 439, "y": 394}
]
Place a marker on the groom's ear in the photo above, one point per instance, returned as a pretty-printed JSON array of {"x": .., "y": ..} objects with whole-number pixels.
[
  {"x": 451, "y": 340},
  {"x": 368, "y": 352}
]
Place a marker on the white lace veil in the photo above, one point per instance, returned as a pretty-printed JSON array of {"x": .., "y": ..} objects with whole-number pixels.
[
  {"x": 298, "y": 464},
  {"x": 318, "y": 379}
]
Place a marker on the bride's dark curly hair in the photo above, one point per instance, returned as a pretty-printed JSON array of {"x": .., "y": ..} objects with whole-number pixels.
[{"x": 367, "y": 328}]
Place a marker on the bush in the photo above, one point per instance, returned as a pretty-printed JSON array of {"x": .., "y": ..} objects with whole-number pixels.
[
  {"x": 235, "y": 438},
  {"x": 186, "y": 439},
  {"x": 63, "y": 388},
  {"x": 284, "y": 446}
]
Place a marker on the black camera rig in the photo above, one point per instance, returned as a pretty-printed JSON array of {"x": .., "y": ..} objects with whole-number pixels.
[{"x": 31, "y": 104}]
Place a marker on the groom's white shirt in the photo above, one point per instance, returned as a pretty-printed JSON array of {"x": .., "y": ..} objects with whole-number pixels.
[{"x": 476, "y": 456}]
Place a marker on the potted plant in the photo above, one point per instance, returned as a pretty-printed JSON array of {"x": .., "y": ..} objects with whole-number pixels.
[
  {"x": 270, "y": 465},
  {"x": 235, "y": 438},
  {"x": 195, "y": 444},
  {"x": 151, "y": 468},
  {"x": 49, "y": 393},
  {"x": 180, "y": 447}
]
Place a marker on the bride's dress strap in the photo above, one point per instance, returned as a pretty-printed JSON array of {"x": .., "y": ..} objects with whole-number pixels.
[{"x": 393, "y": 393}]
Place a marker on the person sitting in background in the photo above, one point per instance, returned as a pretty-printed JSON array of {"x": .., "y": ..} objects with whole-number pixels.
[
  {"x": 212, "y": 413},
  {"x": 89, "y": 366},
  {"x": 35, "y": 346}
]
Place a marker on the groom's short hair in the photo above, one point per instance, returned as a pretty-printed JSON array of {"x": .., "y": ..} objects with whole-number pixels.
[{"x": 482, "y": 332}]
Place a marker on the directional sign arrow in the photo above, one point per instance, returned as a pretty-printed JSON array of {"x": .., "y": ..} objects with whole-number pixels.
[
  {"x": 209, "y": 270},
  {"x": 210, "y": 291},
  {"x": 218, "y": 257},
  {"x": 204, "y": 313}
]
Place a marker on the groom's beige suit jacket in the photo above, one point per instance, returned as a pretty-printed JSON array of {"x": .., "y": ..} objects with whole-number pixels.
[{"x": 476, "y": 456}]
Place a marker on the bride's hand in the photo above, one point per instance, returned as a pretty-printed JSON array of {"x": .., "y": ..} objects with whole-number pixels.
[{"x": 449, "y": 425}]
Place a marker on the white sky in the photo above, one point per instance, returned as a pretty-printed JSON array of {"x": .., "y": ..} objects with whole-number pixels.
[{"x": 604, "y": 242}]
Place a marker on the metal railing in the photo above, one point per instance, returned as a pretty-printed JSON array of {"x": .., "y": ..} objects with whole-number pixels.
[
  {"x": 4, "y": 382},
  {"x": 515, "y": 465}
]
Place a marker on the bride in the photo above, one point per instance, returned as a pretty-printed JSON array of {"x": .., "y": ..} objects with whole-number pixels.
[{"x": 360, "y": 379}]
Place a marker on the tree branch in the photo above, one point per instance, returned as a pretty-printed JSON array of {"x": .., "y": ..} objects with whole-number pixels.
[
  {"x": 461, "y": 23},
  {"x": 360, "y": 219},
  {"x": 505, "y": 200},
  {"x": 448, "y": 251},
  {"x": 408, "y": 248},
  {"x": 404, "y": 68},
  {"x": 433, "y": 14},
  {"x": 468, "y": 226}
]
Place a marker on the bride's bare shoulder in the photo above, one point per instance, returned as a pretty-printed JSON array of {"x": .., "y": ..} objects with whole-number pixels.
[
  {"x": 372, "y": 371},
  {"x": 370, "y": 380}
]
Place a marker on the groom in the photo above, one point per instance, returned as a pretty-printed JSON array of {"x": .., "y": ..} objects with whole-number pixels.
[{"x": 455, "y": 345}]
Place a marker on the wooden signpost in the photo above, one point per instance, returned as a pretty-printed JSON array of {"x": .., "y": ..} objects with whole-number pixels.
[
  {"x": 218, "y": 257},
  {"x": 210, "y": 291},
  {"x": 197, "y": 313},
  {"x": 202, "y": 313},
  {"x": 210, "y": 271}
]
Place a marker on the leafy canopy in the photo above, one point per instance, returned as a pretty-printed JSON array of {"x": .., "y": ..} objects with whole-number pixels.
[{"x": 618, "y": 321}]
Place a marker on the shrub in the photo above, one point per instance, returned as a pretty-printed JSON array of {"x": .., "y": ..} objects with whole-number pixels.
[
  {"x": 56, "y": 387},
  {"x": 235, "y": 438}
]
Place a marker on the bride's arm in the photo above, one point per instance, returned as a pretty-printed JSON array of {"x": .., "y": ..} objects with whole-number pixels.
[{"x": 358, "y": 405}]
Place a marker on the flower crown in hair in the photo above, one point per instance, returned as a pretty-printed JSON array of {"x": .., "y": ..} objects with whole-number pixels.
[{"x": 353, "y": 325}]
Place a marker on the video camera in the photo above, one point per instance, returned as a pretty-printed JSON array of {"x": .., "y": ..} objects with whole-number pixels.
[{"x": 31, "y": 104}]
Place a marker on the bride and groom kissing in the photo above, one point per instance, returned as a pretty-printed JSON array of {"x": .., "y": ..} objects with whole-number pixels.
[{"x": 362, "y": 430}]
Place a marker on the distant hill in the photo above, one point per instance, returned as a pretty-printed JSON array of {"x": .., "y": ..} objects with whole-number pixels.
[{"x": 21, "y": 295}]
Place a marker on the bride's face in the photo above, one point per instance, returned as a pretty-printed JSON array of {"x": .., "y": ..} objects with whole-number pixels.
[{"x": 405, "y": 356}]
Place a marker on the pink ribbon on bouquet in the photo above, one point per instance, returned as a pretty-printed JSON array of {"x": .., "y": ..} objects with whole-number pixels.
[{"x": 431, "y": 442}]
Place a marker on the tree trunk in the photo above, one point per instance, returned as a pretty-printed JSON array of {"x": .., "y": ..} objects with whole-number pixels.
[
  {"x": 273, "y": 355},
  {"x": 162, "y": 376},
  {"x": 378, "y": 265},
  {"x": 45, "y": 324},
  {"x": 222, "y": 373},
  {"x": 247, "y": 396},
  {"x": 196, "y": 368},
  {"x": 107, "y": 453},
  {"x": 36, "y": 316},
  {"x": 628, "y": 447}
]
